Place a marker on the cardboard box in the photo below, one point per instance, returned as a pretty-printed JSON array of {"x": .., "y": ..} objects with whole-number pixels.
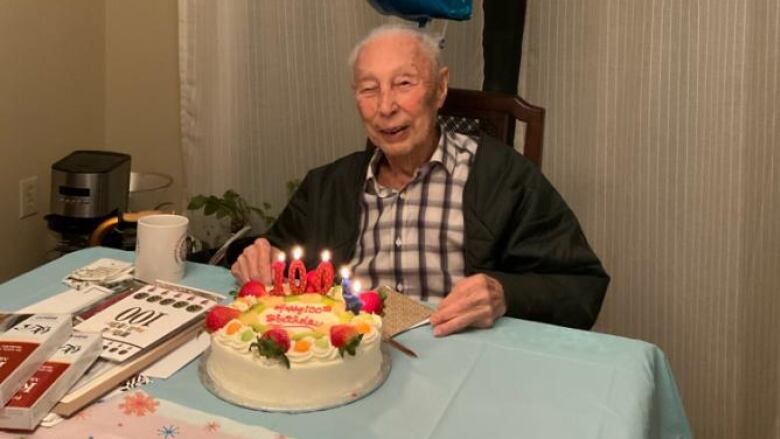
[
  {"x": 51, "y": 381},
  {"x": 30, "y": 340}
]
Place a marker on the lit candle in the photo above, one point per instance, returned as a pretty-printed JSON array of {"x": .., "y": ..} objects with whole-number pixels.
[
  {"x": 278, "y": 270},
  {"x": 311, "y": 282},
  {"x": 325, "y": 273},
  {"x": 350, "y": 299},
  {"x": 346, "y": 285},
  {"x": 296, "y": 274}
]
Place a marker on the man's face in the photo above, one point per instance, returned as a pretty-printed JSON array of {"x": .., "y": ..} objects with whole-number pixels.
[{"x": 398, "y": 94}]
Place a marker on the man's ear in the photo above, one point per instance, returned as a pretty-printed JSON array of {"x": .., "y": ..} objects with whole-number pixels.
[{"x": 442, "y": 86}]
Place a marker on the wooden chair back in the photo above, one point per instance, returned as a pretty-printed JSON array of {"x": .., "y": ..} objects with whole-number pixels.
[{"x": 473, "y": 112}]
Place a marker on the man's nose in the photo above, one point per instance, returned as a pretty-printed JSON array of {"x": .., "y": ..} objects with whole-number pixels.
[{"x": 387, "y": 103}]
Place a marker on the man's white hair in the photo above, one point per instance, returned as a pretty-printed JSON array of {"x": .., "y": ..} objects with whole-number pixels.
[{"x": 429, "y": 43}]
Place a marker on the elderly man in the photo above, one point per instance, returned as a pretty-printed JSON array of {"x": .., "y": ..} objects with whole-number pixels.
[{"x": 466, "y": 224}]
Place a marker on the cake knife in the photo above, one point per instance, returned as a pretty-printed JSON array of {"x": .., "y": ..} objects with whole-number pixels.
[{"x": 392, "y": 342}]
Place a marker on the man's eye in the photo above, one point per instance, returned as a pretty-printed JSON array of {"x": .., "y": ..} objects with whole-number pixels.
[{"x": 367, "y": 89}]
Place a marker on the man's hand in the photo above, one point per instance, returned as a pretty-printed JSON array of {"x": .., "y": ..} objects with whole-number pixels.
[
  {"x": 255, "y": 262},
  {"x": 476, "y": 301}
]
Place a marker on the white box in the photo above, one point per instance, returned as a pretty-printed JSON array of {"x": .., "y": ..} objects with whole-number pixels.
[
  {"x": 30, "y": 340},
  {"x": 51, "y": 381}
]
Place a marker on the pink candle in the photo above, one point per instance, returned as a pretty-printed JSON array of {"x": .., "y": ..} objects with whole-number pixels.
[
  {"x": 278, "y": 270},
  {"x": 325, "y": 273},
  {"x": 296, "y": 274}
]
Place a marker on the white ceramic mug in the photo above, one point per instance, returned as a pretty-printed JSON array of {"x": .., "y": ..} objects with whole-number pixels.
[{"x": 161, "y": 247}]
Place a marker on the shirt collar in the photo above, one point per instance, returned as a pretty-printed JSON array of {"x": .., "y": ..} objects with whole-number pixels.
[{"x": 443, "y": 155}]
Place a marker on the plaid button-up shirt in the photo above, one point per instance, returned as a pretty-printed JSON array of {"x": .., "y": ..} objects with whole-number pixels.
[{"x": 412, "y": 239}]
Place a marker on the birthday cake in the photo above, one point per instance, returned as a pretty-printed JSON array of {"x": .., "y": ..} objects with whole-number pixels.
[{"x": 287, "y": 348}]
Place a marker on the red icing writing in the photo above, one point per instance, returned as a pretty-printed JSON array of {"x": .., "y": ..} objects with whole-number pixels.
[
  {"x": 299, "y": 309},
  {"x": 296, "y": 315},
  {"x": 292, "y": 320}
]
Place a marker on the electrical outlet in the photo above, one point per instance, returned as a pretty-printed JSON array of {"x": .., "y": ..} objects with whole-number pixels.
[{"x": 28, "y": 196}]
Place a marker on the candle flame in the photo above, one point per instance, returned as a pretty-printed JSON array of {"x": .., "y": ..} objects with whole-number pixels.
[
  {"x": 356, "y": 286},
  {"x": 344, "y": 272},
  {"x": 297, "y": 252},
  {"x": 325, "y": 256},
  {"x": 281, "y": 257}
]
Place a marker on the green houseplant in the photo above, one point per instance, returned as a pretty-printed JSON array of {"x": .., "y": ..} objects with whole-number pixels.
[{"x": 233, "y": 206}]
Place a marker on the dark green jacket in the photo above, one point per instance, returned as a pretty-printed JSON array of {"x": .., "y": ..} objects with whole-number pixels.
[{"x": 518, "y": 230}]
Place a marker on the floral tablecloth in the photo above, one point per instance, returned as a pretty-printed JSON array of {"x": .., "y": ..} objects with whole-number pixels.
[{"x": 139, "y": 415}]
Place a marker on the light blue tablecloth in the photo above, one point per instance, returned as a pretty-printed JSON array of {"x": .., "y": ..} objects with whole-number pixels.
[{"x": 519, "y": 379}]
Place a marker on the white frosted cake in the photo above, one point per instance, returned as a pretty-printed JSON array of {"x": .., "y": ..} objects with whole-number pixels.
[{"x": 291, "y": 351}]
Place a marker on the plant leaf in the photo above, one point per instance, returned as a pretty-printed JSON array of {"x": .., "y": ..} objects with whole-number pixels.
[
  {"x": 196, "y": 202},
  {"x": 230, "y": 194},
  {"x": 210, "y": 208},
  {"x": 222, "y": 212}
]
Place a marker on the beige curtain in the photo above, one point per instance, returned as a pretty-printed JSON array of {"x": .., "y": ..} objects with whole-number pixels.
[
  {"x": 663, "y": 133},
  {"x": 265, "y": 93}
]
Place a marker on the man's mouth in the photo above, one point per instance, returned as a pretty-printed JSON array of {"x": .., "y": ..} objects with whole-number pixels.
[{"x": 393, "y": 131}]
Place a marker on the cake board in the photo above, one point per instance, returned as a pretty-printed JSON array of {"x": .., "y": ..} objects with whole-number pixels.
[{"x": 257, "y": 403}]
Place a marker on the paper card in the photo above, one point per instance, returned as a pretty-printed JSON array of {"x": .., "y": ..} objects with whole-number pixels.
[
  {"x": 69, "y": 301},
  {"x": 402, "y": 313},
  {"x": 107, "y": 272},
  {"x": 143, "y": 318},
  {"x": 101, "y": 270},
  {"x": 179, "y": 358}
]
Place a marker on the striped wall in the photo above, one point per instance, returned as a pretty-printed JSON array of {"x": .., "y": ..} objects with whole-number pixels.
[
  {"x": 662, "y": 132},
  {"x": 759, "y": 402}
]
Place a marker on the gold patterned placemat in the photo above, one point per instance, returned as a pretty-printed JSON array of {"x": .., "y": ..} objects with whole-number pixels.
[{"x": 401, "y": 312}]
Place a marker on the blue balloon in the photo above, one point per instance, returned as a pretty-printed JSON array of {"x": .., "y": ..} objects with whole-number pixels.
[{"x": 423, "y": 10}]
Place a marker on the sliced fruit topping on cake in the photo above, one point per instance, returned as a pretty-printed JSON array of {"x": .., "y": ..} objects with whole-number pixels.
[
  {"x": 344, "y": 316},
  {"x": 233, "y": 327},
  {"x": 247, "y": 335},
  {"x": 311, "y": 298},
  {"x": 362, "y": 328},
  {"x": 304, "y": 334},
  {"x": 219, "y": 316},
  {"x": 273, "y": 344},
  {"x": 302, "y": 346},
  {"x": 259, "y": 327},
  {"x": 345, "y": 338},
  {"x": 252, "y": 288},
  {"x": 372, "y": 302},
  {"x": 322, "y": 343},
  {"x": 250, "y": 316}
]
